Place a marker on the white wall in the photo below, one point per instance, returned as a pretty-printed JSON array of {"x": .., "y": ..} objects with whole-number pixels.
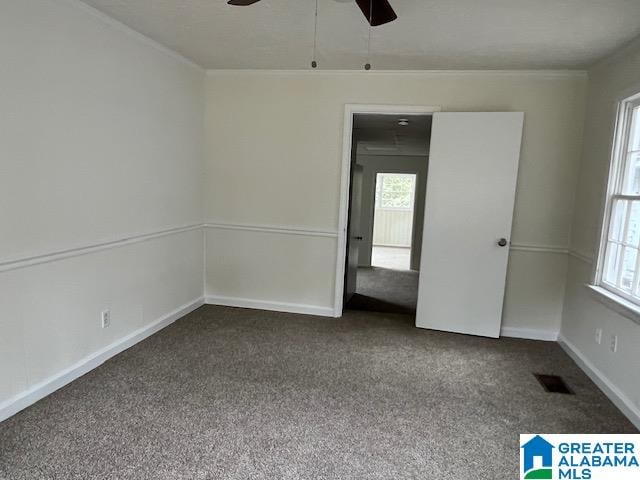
[
  {"x": 611, "y": 80},
  {"x": 392, "y": 227},
  {"x": 101, "y": 139},
  {"x": 275, "y": 142}
]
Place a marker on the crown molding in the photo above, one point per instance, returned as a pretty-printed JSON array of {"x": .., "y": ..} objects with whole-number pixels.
[
  {"x": 118, "y": 25},
  {"x": 418, "y": 73},
  {"x": 617, "y": 55}
]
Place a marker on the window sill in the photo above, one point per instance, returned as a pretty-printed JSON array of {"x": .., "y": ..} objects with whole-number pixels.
[{"x": 615, "y": 302}]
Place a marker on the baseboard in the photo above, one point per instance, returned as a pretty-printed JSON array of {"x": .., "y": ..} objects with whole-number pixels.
[
  {"x": 529, "y": 333},
  {"x": 269, "y": 305},
  {"x": 55, "y": 382},
  {"x": 619, "y": 399}
]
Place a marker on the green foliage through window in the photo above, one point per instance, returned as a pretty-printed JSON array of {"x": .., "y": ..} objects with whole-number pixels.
[{"x": 395, "y": 190}]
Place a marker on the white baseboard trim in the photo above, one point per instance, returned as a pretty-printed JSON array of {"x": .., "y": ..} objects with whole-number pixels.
[
  {"x": 619, "y": 399},
  {"x": 55, "y": 382},
  {"x": 269, "y": 305},
  {"x": 529, "y": 333}
]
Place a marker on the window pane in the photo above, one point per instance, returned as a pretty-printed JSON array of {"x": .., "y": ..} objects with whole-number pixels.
[
  {"x": 633, "y": 229},
  {"x": 620, "y": 251},
  {"x": 611, "y": 262},
  {"x": 628, "y": 268},
  {"x": 618, "y": 216},
  {"x": 632, "y": 175},
  {"x": 395, "y": 190},
  {"x": 634, "y": 134}
]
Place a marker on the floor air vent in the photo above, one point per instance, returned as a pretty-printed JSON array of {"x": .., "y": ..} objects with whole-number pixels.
[{"x": 553, "y": 384}]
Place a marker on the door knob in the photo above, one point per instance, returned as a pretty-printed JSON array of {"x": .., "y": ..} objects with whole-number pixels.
[
  {"x": 358, "y": 238},
  {"x": 502, "y": 242}
]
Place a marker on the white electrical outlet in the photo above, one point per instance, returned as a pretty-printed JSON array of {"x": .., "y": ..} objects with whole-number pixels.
[
  {"x": 614, "y": 343},
  {"x": 106, "y": 319},
  {"x": 598, "y": 336}
]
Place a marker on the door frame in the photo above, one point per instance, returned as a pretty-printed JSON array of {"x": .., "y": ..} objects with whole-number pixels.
[{"x": 350, "y": 109}]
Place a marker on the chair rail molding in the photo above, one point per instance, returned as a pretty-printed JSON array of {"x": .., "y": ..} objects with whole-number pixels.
[
  {"x": 533, "y": 247},
  {"x": 581, "y": 256},
  {"x": 53, "y": 256},
  {"x": 47, "y": 257},
  {"x": 285, "y": 230}
]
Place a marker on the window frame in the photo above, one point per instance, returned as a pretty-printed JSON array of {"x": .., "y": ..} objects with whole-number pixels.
[
  {"x": 376, "y": 205},
  {"x": 614, "y": 192}
]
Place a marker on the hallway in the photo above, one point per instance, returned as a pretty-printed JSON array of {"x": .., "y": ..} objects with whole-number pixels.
[{"x": 385, "y": 290}]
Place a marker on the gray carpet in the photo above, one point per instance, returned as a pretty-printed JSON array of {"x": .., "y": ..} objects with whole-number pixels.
[
  {"x": 240, "y": 394},
  {"x": 385, "y": 290}
]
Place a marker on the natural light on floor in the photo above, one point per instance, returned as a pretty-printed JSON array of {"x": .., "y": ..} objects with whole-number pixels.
[{"x": 396, "y": 258}]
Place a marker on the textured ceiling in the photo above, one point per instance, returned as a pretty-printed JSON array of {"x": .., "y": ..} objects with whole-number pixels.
[{"x": 429, "y": 34}]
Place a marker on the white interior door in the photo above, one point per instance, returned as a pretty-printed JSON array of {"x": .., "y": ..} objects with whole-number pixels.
[{"x": 473, "y": 167}]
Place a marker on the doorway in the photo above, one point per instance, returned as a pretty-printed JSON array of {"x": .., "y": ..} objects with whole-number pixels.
[
  {"x": 389, "y": 163},
  {"x": 393, "y": 217},
  {"x": 473, "y": 162}
]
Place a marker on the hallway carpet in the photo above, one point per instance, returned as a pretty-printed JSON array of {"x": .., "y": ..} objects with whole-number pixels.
[
  {"x": 385, "y": 290},
  {"x": 228, "y": 393}
]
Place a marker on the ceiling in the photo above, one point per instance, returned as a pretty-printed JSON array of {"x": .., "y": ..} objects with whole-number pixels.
[
  {"x": 383, "y": 135},
  {"x": 429, "y": 34}
]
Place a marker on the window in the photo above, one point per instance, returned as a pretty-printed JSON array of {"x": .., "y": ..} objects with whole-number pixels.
[
  {"x": 619, "y": 256},
  {"x": 395, "y": 191}
]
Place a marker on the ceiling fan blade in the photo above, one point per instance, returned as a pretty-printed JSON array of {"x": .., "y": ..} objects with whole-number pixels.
[
  {"x": 242, "y": 3},
  {"x": 382, "y": 11}
]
